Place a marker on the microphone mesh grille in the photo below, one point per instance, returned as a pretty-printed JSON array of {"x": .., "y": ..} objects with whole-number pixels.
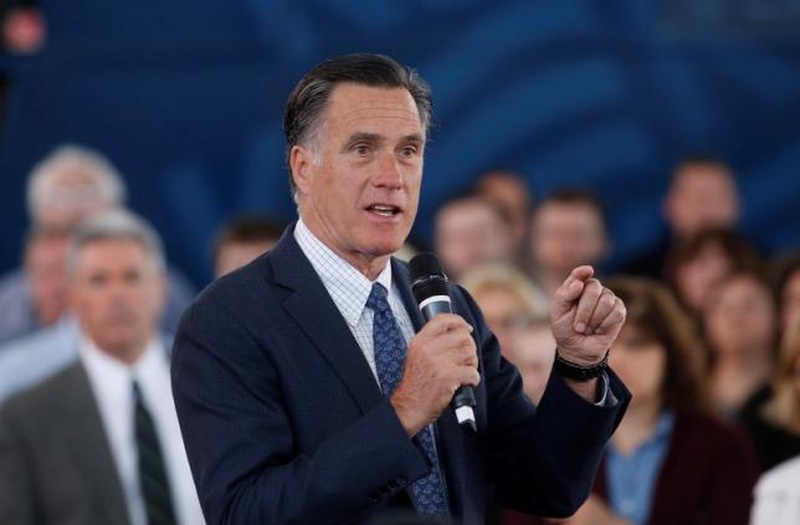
[{"x": 425, "y": 265}]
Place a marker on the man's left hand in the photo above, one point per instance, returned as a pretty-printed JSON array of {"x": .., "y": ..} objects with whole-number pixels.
[{"x": 585, "y": 317}]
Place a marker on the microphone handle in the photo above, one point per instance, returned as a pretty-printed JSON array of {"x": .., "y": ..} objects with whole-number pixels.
[
  {"x": 435, "y": 305},
  {"x": 464, "y": 400}
]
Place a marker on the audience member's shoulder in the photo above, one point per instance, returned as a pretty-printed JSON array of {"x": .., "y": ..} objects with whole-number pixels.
[
  {"x": 43, "y": 397},
  {"x": 712, "y": 430},
  {"x": 786, "y": 474},
  {"x": 31, "y": 359},
  {"x": 13, "y": 283},
  {"x": 65, "y": 331}
]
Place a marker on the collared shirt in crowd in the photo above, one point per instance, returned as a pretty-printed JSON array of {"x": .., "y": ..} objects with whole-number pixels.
[
  {"x": 632, "y": 477},
  {"x": 111, "y": 382}
]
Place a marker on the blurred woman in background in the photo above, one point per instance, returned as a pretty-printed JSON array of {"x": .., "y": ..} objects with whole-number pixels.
[
  {"x": 517, "y": 313},
  {"x": 774, "y": 426},
  {"x": 669, "y": 462},
  {"x": 788, "y": 288},
  {"x": 741, "y": 328},
  {"x": 694, "y": 267}
]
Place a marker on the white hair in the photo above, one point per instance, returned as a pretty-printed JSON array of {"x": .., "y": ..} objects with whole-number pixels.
[
  {"x": 109, "y": 183},
  {"x": 117, "y": 224}
]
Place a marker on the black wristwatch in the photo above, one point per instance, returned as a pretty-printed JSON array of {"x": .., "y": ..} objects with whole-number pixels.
[{"x": 578, "y": 372}]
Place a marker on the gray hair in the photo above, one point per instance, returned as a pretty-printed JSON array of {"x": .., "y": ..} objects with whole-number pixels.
[
  {"x": 116, "y": 224},
  {"x": 104, "y": 175}
]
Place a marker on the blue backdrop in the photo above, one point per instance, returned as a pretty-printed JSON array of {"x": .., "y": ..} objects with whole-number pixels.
[{"x": 186, "y": 97}]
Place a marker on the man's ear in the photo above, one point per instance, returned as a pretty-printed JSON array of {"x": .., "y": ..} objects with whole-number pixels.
[{"x": 300, "y": 161}]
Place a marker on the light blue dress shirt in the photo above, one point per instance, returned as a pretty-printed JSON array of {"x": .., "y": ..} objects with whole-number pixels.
[{"x": 632, "y": 479}]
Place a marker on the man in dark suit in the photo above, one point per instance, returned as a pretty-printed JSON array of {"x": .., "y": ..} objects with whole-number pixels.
[
  {"x": 309, "y": 390},
  {"x": 98, "y": 442}
]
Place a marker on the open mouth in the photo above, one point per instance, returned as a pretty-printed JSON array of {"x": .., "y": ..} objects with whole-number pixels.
[{"x": 384, "y": 210}]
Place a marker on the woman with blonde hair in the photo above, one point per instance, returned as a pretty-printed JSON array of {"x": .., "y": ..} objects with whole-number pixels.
[{"x": 517, "y": 313}]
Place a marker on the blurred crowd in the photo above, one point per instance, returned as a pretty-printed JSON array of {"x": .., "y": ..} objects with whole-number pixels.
[
  {"x": 710, "y": 349},
  {"x": 85, "y": 338}
]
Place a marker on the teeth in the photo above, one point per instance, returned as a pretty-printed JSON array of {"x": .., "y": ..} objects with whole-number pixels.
[{"x": 384, "y": 210}]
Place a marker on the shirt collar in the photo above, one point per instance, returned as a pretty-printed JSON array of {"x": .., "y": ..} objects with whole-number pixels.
[
  {"x": 661, "y": 434},
  {"x": 114, "y": 376},
  {"x": 348, "y": 287},
  {"x": 664, "y": 426}
]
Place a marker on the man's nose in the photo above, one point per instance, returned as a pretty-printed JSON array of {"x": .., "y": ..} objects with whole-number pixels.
[{"x": 389, "y": 172}]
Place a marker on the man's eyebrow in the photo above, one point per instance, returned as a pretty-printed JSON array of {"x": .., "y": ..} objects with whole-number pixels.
[
  {"x": 363, "y": 136},
  {"x": 414, "y": 137}
]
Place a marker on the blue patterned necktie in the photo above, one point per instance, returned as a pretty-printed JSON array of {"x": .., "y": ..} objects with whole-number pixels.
[{"x": 427, "y": 492}]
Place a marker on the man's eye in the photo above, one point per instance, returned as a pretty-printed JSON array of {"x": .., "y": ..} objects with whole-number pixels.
[
  {"x": 362, "y": 149},
  {"x": 409, "y": 151}
]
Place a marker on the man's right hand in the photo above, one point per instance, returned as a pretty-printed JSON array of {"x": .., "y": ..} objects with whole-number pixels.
[{"x": 441, "y": 358}]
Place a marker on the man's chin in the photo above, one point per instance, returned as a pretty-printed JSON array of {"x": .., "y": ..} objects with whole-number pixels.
[
  {"x": 121, "y": 347},
  {"x": 387, "y": 249},
  {"x": 386, "y": 243}
]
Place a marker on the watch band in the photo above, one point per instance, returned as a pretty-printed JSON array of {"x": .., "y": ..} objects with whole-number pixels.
[{"x": 570, "y": 370}]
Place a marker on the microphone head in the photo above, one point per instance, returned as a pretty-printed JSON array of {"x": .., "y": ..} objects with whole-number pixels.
[
  {"x": 424, "y": 266},
  {"x": 427, "y": 277}
]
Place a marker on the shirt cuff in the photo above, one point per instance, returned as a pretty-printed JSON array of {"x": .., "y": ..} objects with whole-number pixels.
[{"x": 607, "y": 399}]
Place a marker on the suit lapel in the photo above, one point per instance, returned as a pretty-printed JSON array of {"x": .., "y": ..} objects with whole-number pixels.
[
  {"x": 402, "y": 280},
  {"x": 314, "y": 311},
  {"x": 86, "y": 440}
]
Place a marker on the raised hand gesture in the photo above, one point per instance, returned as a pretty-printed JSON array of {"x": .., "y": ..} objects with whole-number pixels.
[{"x": 585, "y": 317}]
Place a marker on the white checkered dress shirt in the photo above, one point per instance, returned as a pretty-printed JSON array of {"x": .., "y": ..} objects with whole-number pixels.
[{"x": 350, "y": 289}]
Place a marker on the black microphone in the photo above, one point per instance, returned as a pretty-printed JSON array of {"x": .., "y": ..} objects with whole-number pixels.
[{"x": 429, "y": 284}]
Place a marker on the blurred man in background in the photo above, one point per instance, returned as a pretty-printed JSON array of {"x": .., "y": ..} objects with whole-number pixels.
[
  {"x": 509, "y": 193},
  {"x": 701, "y": 195},
  {"x": 242, "y": 239},
  {"x": 44, "y": 299},
  {"x": 568, "y": 229},
  {"x": 99, "y": 442},
  {"x": 469, "y": 232},
  {"x": 69, "y": 185}
]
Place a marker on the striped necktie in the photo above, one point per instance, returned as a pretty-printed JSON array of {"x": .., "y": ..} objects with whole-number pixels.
[{"x": 152, "y": 471}]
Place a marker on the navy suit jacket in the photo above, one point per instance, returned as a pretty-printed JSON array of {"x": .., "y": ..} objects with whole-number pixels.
[{"x": 284, "y": 421}]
